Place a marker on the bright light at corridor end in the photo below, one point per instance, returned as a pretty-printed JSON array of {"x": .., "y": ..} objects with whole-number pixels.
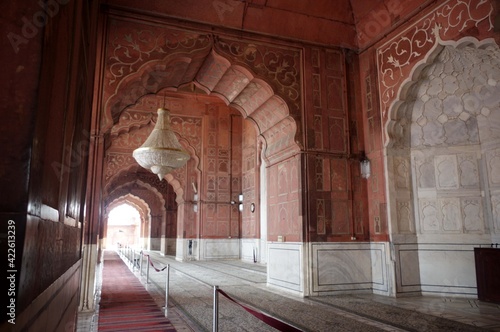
[{"x": 161, "y": 152}]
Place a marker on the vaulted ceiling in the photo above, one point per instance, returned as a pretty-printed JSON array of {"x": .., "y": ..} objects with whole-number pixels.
[{"x": 354, "y": 24}]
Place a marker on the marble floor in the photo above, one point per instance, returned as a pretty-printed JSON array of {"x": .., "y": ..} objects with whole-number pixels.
[{"x": 190, "y": 306}]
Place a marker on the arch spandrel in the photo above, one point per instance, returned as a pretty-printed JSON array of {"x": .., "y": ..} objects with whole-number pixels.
[
  {"x": 398, "y": 57},
  {"x": 464, "y": 53}
]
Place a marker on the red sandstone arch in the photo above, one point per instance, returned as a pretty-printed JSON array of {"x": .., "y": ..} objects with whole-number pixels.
[
  {"x": 156, "y": 202},
  {"x": 136, "y": 202},
  {"x": 215, "y": 74}
]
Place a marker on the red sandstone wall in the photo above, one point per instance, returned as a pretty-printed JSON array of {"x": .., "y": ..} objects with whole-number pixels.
[
  {"x": 250, "y": 178},
  {"x": 48, "y": 71},
  {"x": 386, "y": 65},
  {"x": 336, "y": 202},
  {"x": 221, "y": 179}
]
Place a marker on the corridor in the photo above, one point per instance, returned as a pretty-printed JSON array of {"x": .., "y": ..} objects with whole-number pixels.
[{"x": 191, "y": 303}]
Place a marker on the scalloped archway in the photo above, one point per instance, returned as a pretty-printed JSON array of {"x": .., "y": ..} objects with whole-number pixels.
[
  {"x": 441, "y": 159},
  {"x": 136, "y": 202},
  {"x": 149, "y": 196},
  {"x": 262, "y": 84}
]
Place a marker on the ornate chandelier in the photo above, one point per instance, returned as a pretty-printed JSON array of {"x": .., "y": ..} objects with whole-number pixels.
[{"x": 161, "y": 152}]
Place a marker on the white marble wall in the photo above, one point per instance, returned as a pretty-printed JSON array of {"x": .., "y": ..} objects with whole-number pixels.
[
  {"x": 249, "y": 248},
  {"x": 168, "y": 246},
  {"x": 181, "y": 250},
  {"x": 380, "y": 263},
  {"x": 285, "y": 268},
  {"x": 211, "y": 249},
  {"x": 407, "y": 268},
  {"x": 155, "y": 243},
  {"x": 443, "y": 171},
  {"x": 348, "y": 267},
  {"x": 446, "y": 269}
]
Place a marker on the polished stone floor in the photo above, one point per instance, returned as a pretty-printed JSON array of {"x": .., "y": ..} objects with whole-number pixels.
[{"x": 191, "y": 296}]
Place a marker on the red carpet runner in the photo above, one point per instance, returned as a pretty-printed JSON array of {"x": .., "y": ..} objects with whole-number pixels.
[{"x": 125, "y": 304}]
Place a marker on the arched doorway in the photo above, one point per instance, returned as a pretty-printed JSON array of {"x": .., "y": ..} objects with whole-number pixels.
[
  {"x": 442, "y": 161},
  {"x": 156, "y": 206},
  {"x": 124, "y": 227}
]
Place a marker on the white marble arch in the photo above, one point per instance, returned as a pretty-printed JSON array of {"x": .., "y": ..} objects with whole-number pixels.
[{"x": 441, "y": 187}]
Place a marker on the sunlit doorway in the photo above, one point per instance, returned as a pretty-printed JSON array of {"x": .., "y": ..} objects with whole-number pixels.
[{"x": 124, "y": 227}]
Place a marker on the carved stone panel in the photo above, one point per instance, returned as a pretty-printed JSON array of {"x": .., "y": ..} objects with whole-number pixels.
[
  {"x": 472, "y": 211},
  {"x": 446, "y": 172},
  {"x": 429, "y": 215},
  {"x": 404, "y": 215},
  {"x": 451, "y": 216},
  {"x": 468, "y": 171}
]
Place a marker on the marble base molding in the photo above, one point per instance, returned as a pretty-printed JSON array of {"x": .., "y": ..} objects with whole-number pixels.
[
  {"x": 251, "y": 250},
  {"x": 285, "y": 268},
  {"x": 436, "y": 269},
  {"x": 349, "y": 267},
  {"x": 207, "y": 249}
]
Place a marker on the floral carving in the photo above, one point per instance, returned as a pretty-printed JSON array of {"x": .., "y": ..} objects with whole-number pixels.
[
  {"x": 130, "y": 119},
  {"x": 397, "y": 57},
  {"x": 130, "y": 47},
  {"x": 280, "y": 66}
]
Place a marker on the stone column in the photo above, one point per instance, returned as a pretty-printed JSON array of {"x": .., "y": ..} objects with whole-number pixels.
[{"x": 90, "y": 247}]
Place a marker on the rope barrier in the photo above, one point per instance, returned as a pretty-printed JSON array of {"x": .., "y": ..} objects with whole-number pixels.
[
  {"x": 154, "y": 267},
  {"x": 269, "y": 320}
]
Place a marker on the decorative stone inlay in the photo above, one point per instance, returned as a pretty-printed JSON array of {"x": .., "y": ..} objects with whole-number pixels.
[
  {"x": 468, "y": 171},
  {"x": 280, "y": 66},
  {"x": 404, "y": 215},
  {"x": 495, "y": 202},
  {"x": 337, "y": 134},
  {"x": 426, "y": 178},
  {"x": 453, "y": 116},
  {"x": 397, "y": 57},
  {"x": 401, "y": 173},
  {"x": 446, "y": 172},
  {"x": 429, "y": 215},
  {"x": 473, "y": 214},
  {"x": 320, "y": 212},
  {"x": 142, "y": 59},
  {"x": 493, "y": 164}
]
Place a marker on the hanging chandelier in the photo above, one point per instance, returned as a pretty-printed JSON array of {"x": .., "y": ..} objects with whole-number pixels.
[{"x": 161, "y": 152}]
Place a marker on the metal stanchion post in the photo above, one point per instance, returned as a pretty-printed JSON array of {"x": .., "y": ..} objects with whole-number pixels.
[
  {"x": 216, "y": 310},
  {"x": 167, "y": 283},
  {"x": 142, "y": 256},
  {"x": 133, "y": 261},
  {"x": 147, "y": 272}
]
